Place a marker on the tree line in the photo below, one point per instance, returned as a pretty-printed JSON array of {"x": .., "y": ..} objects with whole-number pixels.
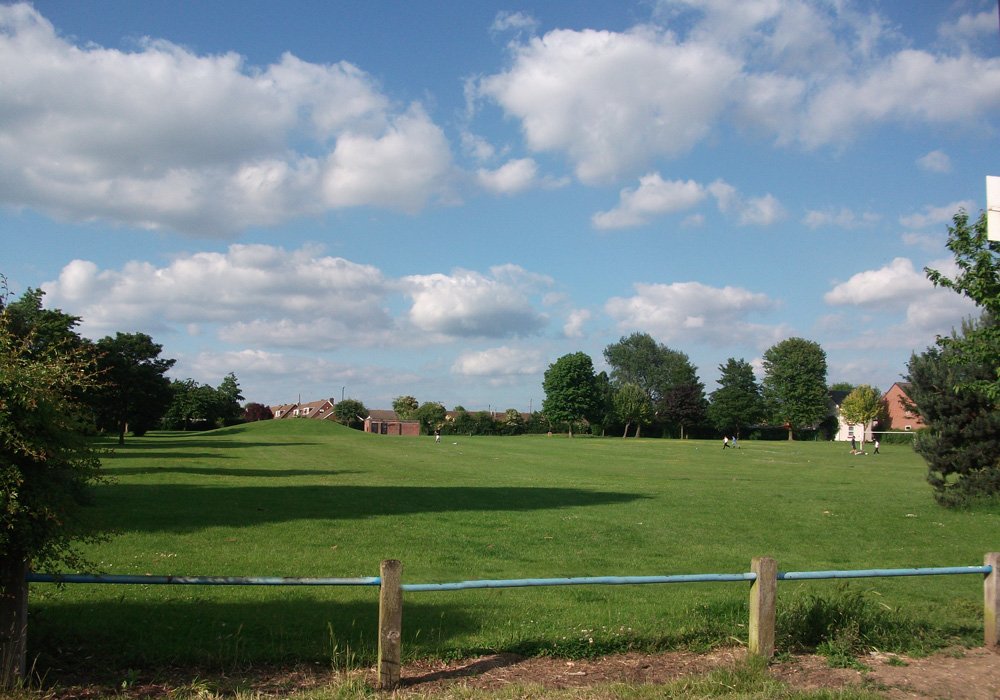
[{"x": 653, "y": 386}]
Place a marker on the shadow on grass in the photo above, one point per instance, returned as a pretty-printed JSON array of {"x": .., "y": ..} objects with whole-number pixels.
[
  {"x": 222, "y": 471},
  {"x": 149, "y": 448},
  {"x": 180, "y": 508},
  {"x": 100, "y": 640}
]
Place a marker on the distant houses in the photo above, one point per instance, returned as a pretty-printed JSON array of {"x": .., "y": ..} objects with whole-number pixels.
[
  {"x": 377, "y": 422},
  {"x": 900, "y": 415}
]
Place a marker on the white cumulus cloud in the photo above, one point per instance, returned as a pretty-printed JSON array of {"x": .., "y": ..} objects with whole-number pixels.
[
  {"x": 163, "y": 138},
  {"x": 653, "y": 197},
  {"x": 691, "y": 311},
  {"x": 466, "y": 303}
]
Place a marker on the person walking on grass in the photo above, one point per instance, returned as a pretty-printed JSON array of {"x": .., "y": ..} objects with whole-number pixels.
[
  {"x": 876, "y": 447},
  {"x": 725, "y": 441}
]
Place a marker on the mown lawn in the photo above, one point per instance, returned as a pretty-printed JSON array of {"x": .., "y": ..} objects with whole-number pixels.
[{"x": 302, "y": 498}]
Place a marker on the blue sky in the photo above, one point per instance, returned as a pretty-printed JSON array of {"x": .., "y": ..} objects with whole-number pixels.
[{"x": 441, "y": 198}]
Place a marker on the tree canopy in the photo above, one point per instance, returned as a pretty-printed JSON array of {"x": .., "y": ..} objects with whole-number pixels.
[
  {"x": 136, "y": 391},
  {"x": 46, "y": 463},
  {"x": 350, "y": 412},
  {"x": 794, "y": 386},
  {"x": 978, "y": 260},
  {"x": 570, "y": 389},
  {"x": 962, "y": 443},
  {"x": 405, "y": 407},
  {"x": 737, "y": 403},
  {"x": 862, "y": 406}
]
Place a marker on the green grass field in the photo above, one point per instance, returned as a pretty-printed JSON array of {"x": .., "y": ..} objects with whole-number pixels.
[{"x": 303, "y": 498}]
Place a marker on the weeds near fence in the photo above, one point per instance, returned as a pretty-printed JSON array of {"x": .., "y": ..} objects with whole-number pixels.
[{"x": 851, "y": 622}]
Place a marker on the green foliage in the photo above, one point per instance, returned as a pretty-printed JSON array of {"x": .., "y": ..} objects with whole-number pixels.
[
  {"x": 135, "y": 392},
  {"x": 405, "y": 407},
  {"x": 632, "y": 406},
  {"x": 46, "y": 464},
  {"x": 666, "y": 376},
  {"x": 978, "y": 260},
  {"x": 513, "y": 423},
  {"x": 862, "y": 407},
  {"x": 350, "y": 412},
  {"x": 846, "y": 624},
  {"x": 794, "y": 387},
  {"x": 570, "y": 389},
  {"x": 737, "y": 402},
  {"x": 431, "y": 415},
  {"x": 962, "y": 443}
]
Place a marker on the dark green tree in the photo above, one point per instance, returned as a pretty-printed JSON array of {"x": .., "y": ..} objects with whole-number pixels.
[
  {"x": 46, "y": 465},
  {"x": 350, "y": 412},
  {"x": 682, "y": 402},
  {"x": 431, "y": 415},
  {"x": 794, "y": 387},
  {"x": 962, "y": 443},
  {"x": 229, "y": 400},
  {"x": 570, "y": 390},
  {"x": 978, "y": 260},
  {"x": 737, "y": 403},
  {"x": 136, "y": 392}
]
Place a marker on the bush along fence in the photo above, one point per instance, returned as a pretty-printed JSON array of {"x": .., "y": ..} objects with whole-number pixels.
[{"x": 763, "y": 578}]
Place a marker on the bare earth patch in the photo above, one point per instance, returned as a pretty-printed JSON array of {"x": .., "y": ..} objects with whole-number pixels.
[
  {"x": 966, "y": 674},
  {"x": 961, "y": 674}
]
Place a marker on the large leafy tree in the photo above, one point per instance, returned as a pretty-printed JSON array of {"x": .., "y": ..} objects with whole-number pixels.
[
  {"x": 632, "y": 406},
  {"x": 978, "y": 260},
  {"x": 570, "y": 389},
  {"x": 682, "y": 403},
  {"x": 136, "y": 391},
  {"x": 862, "y": 407},
  {"x": 794, "y": 386},
  {"x": 666, "y": 376},
  {"x": 229, "y": 398},
  {"x": 737, "y": 403},
  {"x": 350, "y": 412},
  {"x": 46, "y": 464},
  {"x": 962, "y": 443},
  {"x": 405, "y": 407},
  {"x": 431, "y": 415}
]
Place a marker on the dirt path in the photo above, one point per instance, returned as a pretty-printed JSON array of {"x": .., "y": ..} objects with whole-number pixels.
[
  {"x": 961, "y": 674},
  {"x": 966, "y": 674}
]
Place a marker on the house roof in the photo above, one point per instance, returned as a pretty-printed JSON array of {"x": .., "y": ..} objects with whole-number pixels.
[{"x": 387, "y": 415}]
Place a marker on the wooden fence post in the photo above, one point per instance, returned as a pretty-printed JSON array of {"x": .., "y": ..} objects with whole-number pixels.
[
  {"x": 390, "y": 624},
  {"x": 763, "y": 593},
  {"x": 991, "y": 601}
]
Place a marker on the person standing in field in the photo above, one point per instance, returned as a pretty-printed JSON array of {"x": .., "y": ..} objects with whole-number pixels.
[
  {"x": 725, "y": 441},
  {"x": 876, "y": 447}
]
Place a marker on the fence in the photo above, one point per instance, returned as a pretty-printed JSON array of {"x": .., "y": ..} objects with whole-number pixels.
[{"x": 763, "y": 577}]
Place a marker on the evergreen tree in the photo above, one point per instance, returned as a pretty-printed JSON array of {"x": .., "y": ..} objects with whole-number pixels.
[
  {"x": 962, "y": 443},
  {"x": 737, "y": 403}
]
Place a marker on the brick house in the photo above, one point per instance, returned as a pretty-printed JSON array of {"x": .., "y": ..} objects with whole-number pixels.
[
  {"x": 898, "y": 405},
  {"x": 381, "y": 422}
]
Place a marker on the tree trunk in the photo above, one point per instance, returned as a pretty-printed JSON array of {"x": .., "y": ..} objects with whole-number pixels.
[
  {"x": 13, "y": 620},
  {"x": 638, "y": 429},
  {"x": 791, "y": 436},
  {"x": 625, "y": 434}
]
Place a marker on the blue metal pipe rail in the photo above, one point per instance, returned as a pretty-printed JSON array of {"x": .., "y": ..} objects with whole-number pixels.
[
  {"x": 497, "y": 583},
  {"x": 204, "y": 580}
]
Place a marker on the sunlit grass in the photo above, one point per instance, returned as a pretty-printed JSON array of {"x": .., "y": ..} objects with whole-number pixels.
[{"x": 308, "y": 499}]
